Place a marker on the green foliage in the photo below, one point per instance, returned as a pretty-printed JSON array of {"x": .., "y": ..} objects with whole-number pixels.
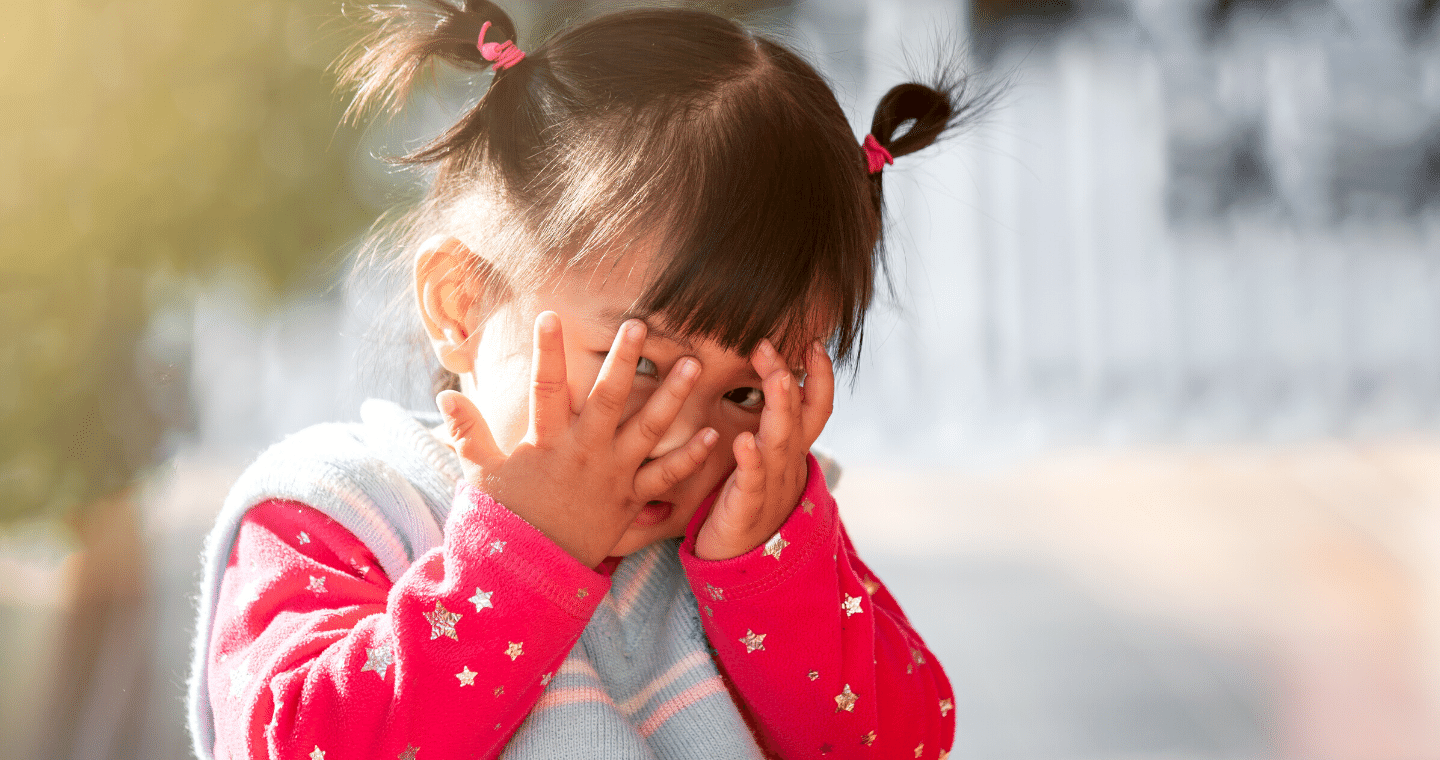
[{"x": 145, "y": 145}]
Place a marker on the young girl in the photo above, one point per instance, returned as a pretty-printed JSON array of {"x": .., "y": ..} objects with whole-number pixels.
[{"x": 640, "y": 247}]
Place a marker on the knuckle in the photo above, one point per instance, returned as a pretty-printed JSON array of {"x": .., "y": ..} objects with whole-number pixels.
[
  {"x": 667, "y": 477},
  {"x": 678, "y": 390},
  {"x": 651, "y": 428},
  {"x": 547, "y": 387},
  {"x": 779, "y": 440},
  {"x": 608, "y": 400},
  {"x": 460, "y": 429}
]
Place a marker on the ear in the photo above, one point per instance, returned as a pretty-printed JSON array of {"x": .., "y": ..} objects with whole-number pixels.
[{"x": 450, "y": 281}]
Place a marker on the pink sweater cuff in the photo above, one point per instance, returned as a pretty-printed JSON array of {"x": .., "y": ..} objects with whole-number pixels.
[
  {"x": 810, "y": 532},
  {"x": 481, "y": 527}
]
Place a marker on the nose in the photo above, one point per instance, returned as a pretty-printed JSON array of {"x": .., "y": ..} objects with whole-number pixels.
[{"x": 690, "y": 420}]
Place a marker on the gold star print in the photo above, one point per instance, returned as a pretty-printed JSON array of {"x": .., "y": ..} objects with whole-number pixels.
[
  {"x": 871, "y": 585},
  {"x": 481, "y": 600},
  {"x": 499, "y": 690},
  {"x": 919, "y": 749},
  {"x": 514, "y": 650},
  {"x": 467, "y": 677},
  {"x": 582, "y": 593},
  {"x": 716, "y": 594},
  {"x": 812, "y": 675},
  {"x": 496, "y": 547},
  {"x": 317, "y": 584},
  {"x": 845, "y": 700},
  {"x": 304, "y": 537},
  {"x": 378, "y": 659},
  {"x": 753, "y": 641},
  {"x": 709, "y": 612},
  {"x": 851, "y": 605},
  {"x": 808, "y": 506},
  {"x": 944, "y": 754},
  {"x": 775, "y": 545},
  {"x": 409, "y": 753},
  {"x": 442, "y": 622},
  {"x": 868, "y": 739},
  {"x": 918, "y": 656},
  {"x": 946, "y": 705},
  {"x": 545, "y": 679},
  {"x": 317, "y": 753}
]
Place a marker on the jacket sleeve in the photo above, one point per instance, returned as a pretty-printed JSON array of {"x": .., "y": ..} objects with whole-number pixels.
[
  {"x": 822, "y": 656},
  {"x": 315, "y": 653}
]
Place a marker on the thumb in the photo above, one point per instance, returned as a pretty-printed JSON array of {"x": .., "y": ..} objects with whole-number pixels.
[{"x": 468, "y": 433}]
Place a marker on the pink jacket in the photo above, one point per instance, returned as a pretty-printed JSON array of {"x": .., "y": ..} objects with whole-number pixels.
[{"x": 315, "y": 653}]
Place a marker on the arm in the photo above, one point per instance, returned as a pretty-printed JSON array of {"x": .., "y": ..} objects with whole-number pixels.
[
  {"x": 822, "y": 655},
  {"x": 313, "y": 648}
]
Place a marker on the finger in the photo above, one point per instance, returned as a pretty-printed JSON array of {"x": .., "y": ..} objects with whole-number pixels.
[
  {"x": 606, "y": 401},
  {"x": 766, "y": 359},
  {"x": 739, "y": 504},
  {"x": 643, "y": 430},
  {"x": 549, "y": 391},
  {"x": 819, "y": 393},
  {"x": 468, "y": 430},
  {"x": 778, "y": 419},
  {"x": 661, "y": 475}
]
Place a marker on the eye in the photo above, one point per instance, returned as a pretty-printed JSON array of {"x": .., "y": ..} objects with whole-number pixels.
[
  {"x": 747, "y": 398},
  {"x": 647, "y": 367}
]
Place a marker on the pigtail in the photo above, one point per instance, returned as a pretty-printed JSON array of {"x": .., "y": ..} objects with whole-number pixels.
[
  {"x": 384, "y": 65},
  {"x": 952, "y": 103}
]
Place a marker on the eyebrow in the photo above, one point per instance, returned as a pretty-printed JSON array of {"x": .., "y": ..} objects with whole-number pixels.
[{"x": 611, "y": 319}]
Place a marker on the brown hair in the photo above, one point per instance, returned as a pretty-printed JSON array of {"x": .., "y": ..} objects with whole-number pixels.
[{"x": 771, "y": 222}]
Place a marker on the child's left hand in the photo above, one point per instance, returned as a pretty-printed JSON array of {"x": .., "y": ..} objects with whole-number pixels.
[{"x": 770, "y": 466}]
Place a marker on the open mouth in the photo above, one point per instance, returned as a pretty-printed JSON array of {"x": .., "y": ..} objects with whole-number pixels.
[{"x": 653, "y": 513}]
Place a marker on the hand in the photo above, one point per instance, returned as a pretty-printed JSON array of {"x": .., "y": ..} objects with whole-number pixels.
[
  {"x": 770, "y": 467},
  {"x": 581, "y": 481}
]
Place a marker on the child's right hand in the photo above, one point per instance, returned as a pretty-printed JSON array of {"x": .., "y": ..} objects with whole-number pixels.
[{"x": 581, "y": 479}]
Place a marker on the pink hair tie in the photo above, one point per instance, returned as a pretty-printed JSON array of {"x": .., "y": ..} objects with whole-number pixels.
[
  {"x": 505, "y": 54},
  {"x": 875, "y": 154}
]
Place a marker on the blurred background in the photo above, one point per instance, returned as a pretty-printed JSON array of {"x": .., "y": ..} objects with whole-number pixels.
[{"x": 1148, "y": 443}]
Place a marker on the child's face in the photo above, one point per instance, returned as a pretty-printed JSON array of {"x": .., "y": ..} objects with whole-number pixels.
[{"x": 726, "y": 396}]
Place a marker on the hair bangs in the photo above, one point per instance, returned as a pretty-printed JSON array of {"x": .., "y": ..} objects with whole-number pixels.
[{"x": 772, "y": 228}]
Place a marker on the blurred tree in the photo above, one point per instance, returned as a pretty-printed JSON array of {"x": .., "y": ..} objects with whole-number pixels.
[
  {"x": 145, "y": 143},
  {"x": 146, "y": 146}
]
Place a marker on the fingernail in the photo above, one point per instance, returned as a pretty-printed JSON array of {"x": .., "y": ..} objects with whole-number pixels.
[
  {"x": 785, "y": 381},
  {"x": 767, "y": 347},
  {"x": 633, "y": 329},
  {"x": 689, "y": 368},
  {"x": 709, "y": 437}
]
